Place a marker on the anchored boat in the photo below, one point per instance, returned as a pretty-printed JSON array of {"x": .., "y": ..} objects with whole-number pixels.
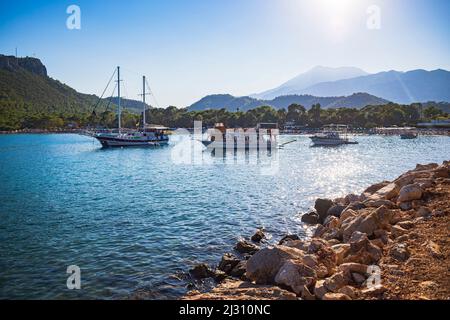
[
  {"x": 409, "y": 133},
  {"x": 264, "y": 136},
  {"x": 148, "y": 136},
  {"x": 332, "y": 135}
]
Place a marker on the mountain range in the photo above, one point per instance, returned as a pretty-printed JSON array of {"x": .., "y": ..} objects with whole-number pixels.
[
  {"x": 231, "y": 103},
  {"x": 311, "y": 77},
  {"x": 345, "y": 86},
  {"x": 26, "y": 88}
]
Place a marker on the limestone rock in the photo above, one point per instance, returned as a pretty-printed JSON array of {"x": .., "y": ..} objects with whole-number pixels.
[
  {"x": 349, "y": 291},
  {"x": 387, "y": 192},
  {"x": 374, "y": 290},
  {"x": 379, "y": 202},
  {"x": 434, "y": 249},
  {"x": 423, "y": 212},
  {"x": 239, "y": 290},
  {"x": 325, "y": 254},
  {"x": 335, "y": 282},
  {"x": 264, "y": 265},
  {"x": 410, "y": 192},
  {"x": 295, "y": 275},
  {"x": 335, "y": 296},
  {"x": 400, "y": 252},
  {"x": 319, "y": 289},
  {"x": 398, "y": 231},
  {"x": 375, "y": 187}
]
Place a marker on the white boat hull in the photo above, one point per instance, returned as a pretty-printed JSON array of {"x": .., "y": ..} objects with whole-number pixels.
[{"x": 318, "y": 141}]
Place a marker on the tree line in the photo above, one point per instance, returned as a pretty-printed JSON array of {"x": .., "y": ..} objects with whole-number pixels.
[{"x": 295, "y": 115}]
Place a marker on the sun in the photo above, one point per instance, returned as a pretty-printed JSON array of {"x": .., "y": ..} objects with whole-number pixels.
[
  {"x": 335, "y": 17},
  {"x": 338, "y": 7}
]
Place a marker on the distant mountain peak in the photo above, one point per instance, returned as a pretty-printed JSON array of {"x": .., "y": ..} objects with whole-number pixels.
[{"x": 309, "y": 78}]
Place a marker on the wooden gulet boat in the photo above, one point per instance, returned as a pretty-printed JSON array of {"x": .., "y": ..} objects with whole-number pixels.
[{"x": 149, "y": 136}]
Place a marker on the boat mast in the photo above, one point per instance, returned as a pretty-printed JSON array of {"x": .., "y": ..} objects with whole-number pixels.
[
  {"x": 143, "y": 102},
  {"x": 119, "y": 113}
]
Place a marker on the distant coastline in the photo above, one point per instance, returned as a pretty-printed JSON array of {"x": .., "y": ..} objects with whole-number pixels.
[{"x": 421, "y": 131}]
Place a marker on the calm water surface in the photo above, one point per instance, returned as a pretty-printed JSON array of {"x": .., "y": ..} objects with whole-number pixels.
[{"x": 132, "y": 218}]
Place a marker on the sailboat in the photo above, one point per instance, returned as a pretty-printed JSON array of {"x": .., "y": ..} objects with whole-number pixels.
[{"x": 147, "y": 136}]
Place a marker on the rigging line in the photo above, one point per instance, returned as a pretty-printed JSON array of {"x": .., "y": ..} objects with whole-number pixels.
[
  {"x": 103, "y": 93},
  {"x": 151, "y": 92},
  {"x": 110, "y": 98}
]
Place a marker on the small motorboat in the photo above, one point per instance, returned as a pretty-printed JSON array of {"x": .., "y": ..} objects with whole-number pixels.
[
  {"x": 332, "y": 135},
  {"x": 409, "y": 135}
]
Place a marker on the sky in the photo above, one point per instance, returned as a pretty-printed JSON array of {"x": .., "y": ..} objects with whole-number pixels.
[{"x": 189, "y": 49}]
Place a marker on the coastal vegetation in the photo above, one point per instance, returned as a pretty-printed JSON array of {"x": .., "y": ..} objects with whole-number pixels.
[
  {"x": 15, "y": 116},
  {"x": 30, "y": 99}
]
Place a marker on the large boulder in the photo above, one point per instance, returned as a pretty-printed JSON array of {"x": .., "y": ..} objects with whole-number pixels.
[
  {"x": 335, "y": 282},
  {"x": 387, "y": 192},
  {"x": 375, "y": 187},
  {"x": 295, "y": 275},
  {"x": 367, "y": 222},
  {"x": 264, "y": 265},
  {"x": 410, "y": 192},
  {"x": 322, "y": 206}
]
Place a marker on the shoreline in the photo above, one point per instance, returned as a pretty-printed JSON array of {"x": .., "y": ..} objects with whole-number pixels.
[
  {"x": 356, "y": 132},
  {"x": 390, "y": 242}
]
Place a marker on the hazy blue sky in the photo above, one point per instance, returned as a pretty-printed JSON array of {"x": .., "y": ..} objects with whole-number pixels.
[{"x": 189, "y": 49}]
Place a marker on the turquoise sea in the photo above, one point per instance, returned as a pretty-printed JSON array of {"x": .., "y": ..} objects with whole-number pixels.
[{"x": 134, "y": 220}]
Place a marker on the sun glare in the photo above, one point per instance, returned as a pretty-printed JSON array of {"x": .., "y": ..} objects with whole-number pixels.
[{"x": 334, "y": 17}]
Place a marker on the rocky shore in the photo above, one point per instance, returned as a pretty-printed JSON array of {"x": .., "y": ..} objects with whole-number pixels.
[{"x": 390, "y": 242}]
